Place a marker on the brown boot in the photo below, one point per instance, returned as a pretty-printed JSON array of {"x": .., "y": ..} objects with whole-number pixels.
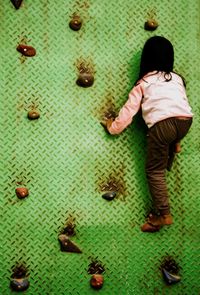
[
  {"x": 155, "y": 222},
  {"x": 150, "y": 228},
  {"x": 160, "y": 219},
  {"x": 167, "y": 219}
]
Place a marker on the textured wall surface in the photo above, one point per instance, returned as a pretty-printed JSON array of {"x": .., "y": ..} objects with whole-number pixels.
[{"x": 65, "y": 158}]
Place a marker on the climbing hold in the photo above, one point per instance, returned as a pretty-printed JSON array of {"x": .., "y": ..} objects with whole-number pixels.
[
  {"x": 96, "y": 281},
  {"x": 26, "y": 50},
  {"x": 170, "y": 278},
  {"x": 75, "y": 23},
  {"x": 33, "y": 115},
  {"x": 17, "y": 3},
  {"x": 67, "y": 245},
  {"x": 19, "y": 280},
  {"x": 86, "y": 74},
  {"x": 151, "y": 25},
  {"x": 22, "y": 192},
  {"x": 170, "y": 265},
  {"x": 109, "y": 196},
  {"x": 85, "y": 79},
  {"x": 19, "y": 284}
]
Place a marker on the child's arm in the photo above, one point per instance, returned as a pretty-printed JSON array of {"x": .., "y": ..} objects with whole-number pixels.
[{"x": 127, "y": 112}]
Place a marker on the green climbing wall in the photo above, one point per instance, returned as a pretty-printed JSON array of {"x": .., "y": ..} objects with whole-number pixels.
[{"x": 65, "y": 158}]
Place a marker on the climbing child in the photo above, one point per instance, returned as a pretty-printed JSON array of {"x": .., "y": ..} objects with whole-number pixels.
[{"x": 161, "y": 95}]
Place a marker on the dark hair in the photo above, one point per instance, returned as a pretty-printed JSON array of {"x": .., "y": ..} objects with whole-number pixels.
[{"x": 157, "y": 55}]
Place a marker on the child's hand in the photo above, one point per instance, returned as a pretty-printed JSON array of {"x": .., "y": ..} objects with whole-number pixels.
[{"x": 107, "y": 123}]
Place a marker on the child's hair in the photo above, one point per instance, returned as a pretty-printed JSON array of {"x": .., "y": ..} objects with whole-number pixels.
[{"x": 157, "y": 55}]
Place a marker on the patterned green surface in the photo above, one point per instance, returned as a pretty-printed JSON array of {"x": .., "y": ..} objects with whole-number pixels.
[{"x": 65, "y": 156}]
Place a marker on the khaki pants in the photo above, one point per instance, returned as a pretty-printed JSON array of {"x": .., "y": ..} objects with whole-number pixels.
[{"x": 161, "y": 139}]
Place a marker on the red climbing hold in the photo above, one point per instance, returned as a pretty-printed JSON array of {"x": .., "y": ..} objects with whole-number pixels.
[{"x": 22, "y": 192}]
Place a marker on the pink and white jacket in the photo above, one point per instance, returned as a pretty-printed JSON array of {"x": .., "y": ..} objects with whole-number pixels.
[{"x": 159, "y": 99}]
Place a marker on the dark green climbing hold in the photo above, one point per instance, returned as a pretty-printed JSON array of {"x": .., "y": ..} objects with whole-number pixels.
[
  {"x": 170, "y": 278},
  {"x": 17, "y": 3},
  {"x": 109, "y": 196}
]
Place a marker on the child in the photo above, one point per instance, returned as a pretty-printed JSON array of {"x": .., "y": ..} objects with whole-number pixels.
[{"x": 161, "y": 94}]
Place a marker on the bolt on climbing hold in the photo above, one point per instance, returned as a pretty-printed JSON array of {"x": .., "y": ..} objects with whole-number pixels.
[
  {"x": 22, "y": 192},
  {"x": 26, "y": 50},
  {"x": 96, "y": 281},
  {"x": 151, "y": 25},
  {"x": 33, "y": 115},
  {"x": 109, "y": 196},
  {"x": 17, "y": 3},
  {"x": 75, "y": 23},
  {"x": 67, "y": 245},
  {"x": 19, "y": 280}
]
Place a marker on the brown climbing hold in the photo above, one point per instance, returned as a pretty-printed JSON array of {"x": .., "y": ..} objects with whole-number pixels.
[
  {"x": 85, "y": 79},
  {"x": 26, "y": 50},
  {"x": 67, "y": 245},
  {"x": 22, "y": 192},
  {"x": 75, "y": 23},
  {"x": 33, "y": 115},
  {"x": 96, "y": 281},
  {"x": 17, "y": 3},
  {"x": 151, "y": 25}
]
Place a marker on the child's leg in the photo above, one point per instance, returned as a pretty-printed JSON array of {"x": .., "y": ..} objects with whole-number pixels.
[
  {"x": 158, "y": 150},
  {"x": 174, "y": 148},
  {"x": 159, "y": 139},
  {"x": 182, "y": 127},
  {"x": 157, "y": 160}
]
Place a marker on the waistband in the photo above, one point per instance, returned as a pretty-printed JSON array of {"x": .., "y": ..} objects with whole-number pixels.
[{"x": 183, "y": 118}]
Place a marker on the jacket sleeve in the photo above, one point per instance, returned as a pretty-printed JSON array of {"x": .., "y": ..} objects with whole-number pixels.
[{"x": 127, "y": 112}]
